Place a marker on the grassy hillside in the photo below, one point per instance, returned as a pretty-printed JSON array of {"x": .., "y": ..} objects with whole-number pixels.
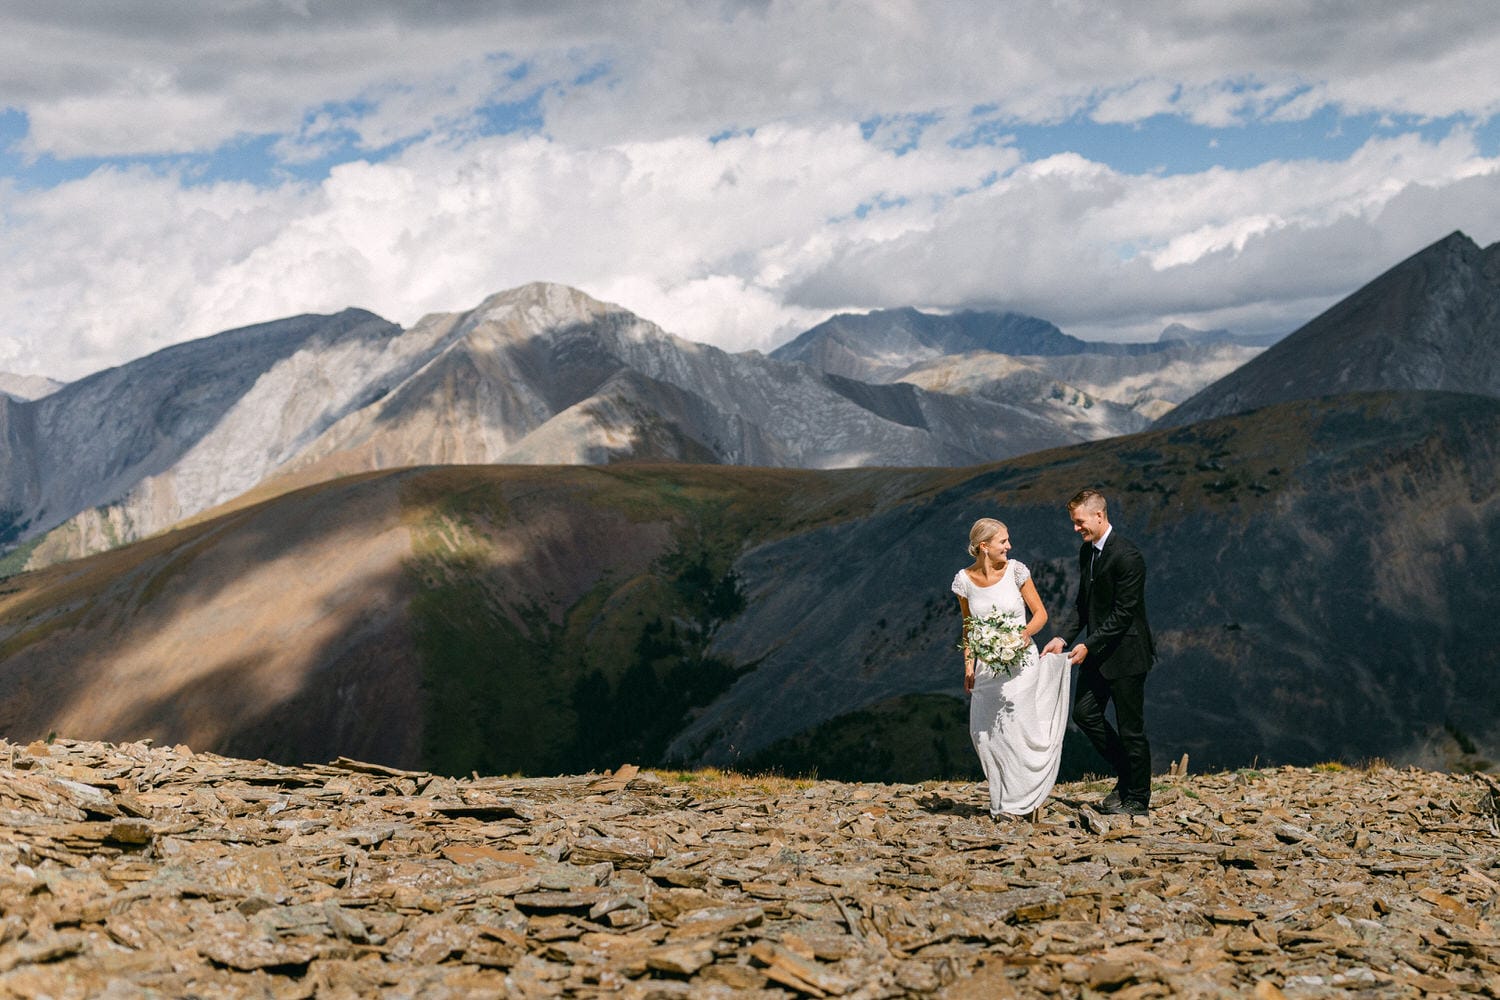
[{"x": 532, "y": 619}]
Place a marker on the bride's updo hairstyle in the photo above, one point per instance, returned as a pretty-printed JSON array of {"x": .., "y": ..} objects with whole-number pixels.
[{"x": 984, "y": 529}]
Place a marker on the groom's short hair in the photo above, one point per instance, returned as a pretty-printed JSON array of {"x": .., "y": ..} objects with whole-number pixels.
[{"x": 1092, "y": 499}]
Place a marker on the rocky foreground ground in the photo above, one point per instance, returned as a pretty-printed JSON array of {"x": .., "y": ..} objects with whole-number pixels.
[{"x": 132, "y": 870}]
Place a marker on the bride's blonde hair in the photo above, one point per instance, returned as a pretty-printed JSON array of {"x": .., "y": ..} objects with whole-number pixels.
[{"x": 984, "y": 529}]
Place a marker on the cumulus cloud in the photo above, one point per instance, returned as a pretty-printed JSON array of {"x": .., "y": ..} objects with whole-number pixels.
[
  {"x": 1103, "y": 253},
  {"x": 733, "y": 171},
  {"x": 99, "y": 79},
  {"x": 179, "y": 76},
  {"x": 667, "y": 228}
]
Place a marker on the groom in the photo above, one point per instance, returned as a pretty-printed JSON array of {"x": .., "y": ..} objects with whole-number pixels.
[{"x": 1116, "y": 652}]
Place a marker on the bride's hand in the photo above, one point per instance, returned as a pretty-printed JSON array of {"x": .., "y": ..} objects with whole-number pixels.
[{"x": 969, "y": 680}]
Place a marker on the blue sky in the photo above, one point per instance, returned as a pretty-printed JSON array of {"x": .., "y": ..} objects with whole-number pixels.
[
  {"x": 1166, "y": 144},
  {"x": 735, "y": 172}
]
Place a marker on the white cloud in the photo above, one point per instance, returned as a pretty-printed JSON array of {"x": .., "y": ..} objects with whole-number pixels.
[
  {"x": 739, "y": 242},
  {"x": 1136, "y": 101},
  {"x": 182, "y": 75},
  {"x": 1094, "y": 250},
  {"x": 676, "y": 225},
  {"x": 107, "y": 268}
]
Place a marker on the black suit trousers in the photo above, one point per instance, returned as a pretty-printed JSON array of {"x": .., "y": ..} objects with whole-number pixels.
[{"x": 1125, "y": 748}]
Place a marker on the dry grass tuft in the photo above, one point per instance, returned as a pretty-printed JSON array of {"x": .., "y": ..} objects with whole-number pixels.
[{"x": 729, "y": 784}]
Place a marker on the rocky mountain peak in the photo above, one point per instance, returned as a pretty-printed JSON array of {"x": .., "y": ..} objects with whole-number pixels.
[
  {"x": 543, "y": 311},
  {"x": 1428, "y": 323},
  {"x": 542, "y": 304}
]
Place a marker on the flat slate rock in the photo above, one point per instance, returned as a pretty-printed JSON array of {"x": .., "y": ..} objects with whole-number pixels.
[{"x": 133, "y": 870}]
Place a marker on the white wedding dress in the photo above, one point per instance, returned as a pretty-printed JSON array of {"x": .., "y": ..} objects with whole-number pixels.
[{"x": 1016, "y": 720}]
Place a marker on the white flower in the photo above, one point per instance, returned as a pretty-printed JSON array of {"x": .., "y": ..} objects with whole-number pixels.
[{"x": 996, "y": 640}]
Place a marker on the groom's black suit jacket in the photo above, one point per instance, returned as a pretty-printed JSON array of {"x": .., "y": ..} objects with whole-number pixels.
[{"x": 1111, "y": 606}]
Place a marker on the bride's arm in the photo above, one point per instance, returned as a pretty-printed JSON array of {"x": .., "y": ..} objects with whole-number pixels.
[
  {"x": 963, "y": 632},
  {"x": 963, "y": 638},
  {"x": 1034, "y": 604}
]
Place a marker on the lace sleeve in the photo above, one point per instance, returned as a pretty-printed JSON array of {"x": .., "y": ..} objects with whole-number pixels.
[
  {"x": 961, "y": 584},
  {"x": 1022, "y": 573}
]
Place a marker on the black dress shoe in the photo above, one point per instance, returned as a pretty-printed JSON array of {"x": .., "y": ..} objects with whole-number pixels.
[
  {"x": 1110, "y": 804},
  {"x": 1133, "y": 809}
]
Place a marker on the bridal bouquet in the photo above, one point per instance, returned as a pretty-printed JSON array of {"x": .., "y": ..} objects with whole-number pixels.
[{"x": 997, "y": 640}]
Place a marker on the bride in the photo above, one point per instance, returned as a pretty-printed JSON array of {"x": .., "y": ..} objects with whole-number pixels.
[{"x": 1019, "y": 701}]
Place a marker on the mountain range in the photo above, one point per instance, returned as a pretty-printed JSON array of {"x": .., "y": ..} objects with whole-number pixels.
[
  {"x": 1095, "y": 389},
  {"x": 1316, "y": 567},
  {"x": 539, "y": 374}
]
